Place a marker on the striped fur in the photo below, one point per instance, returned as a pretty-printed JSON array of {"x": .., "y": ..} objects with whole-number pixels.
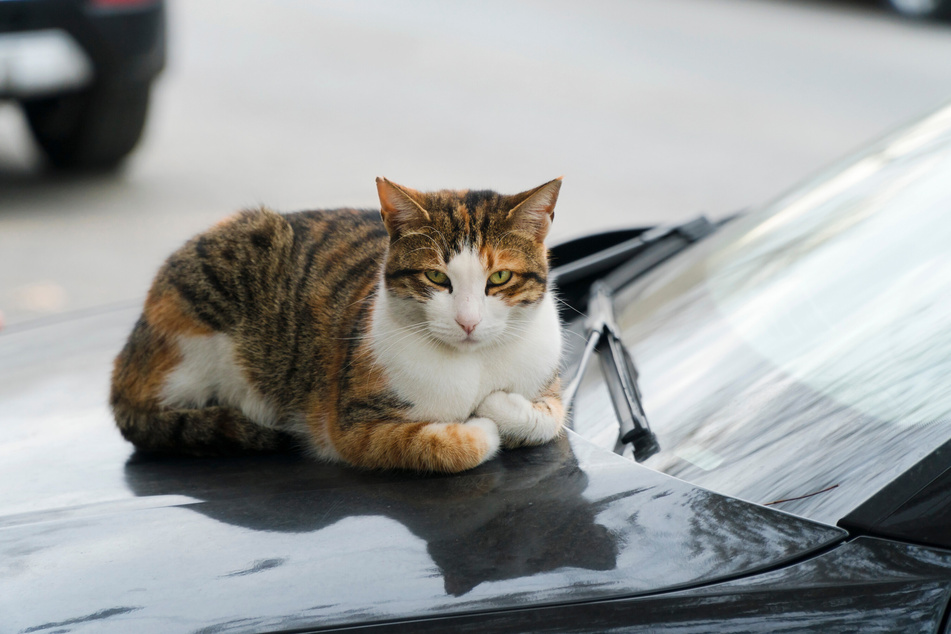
[{"x": 323, "y": 329}]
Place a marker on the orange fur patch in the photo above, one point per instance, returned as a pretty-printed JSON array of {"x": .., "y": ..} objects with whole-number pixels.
[
  {"x": 141, "y": 388},
  {"x": 165, "y": 312}
]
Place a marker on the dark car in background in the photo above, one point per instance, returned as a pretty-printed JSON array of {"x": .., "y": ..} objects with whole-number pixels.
[
  {"x": 761, "y": 442},
  {"x": 82, "y": 70},
  {"x": 940, "y": 9}
]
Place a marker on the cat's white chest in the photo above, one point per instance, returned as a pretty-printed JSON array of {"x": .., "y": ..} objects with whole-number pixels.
[{"x": 445, "y": 385}]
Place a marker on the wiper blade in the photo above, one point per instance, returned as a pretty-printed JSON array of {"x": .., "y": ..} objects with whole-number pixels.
[
  {"x": 620, "y": 375},
  {"x": 634, "y": 256}
]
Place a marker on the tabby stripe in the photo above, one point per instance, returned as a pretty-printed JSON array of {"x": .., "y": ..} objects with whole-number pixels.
[
  {"x": 311, "y": 260},
  {"x": 304, "y": 316},
  {"x": 337, "y": 254},
  {"x": 178, "y": 430},
  {"x": 510, "y": 289},
  {"x": 347, "y": 279},
  {"x": 303, "y": 321},
  {"x": 535, "y": 276},
  {"x": 518, "y": 288},
  {"x": 354, "y": 340},
  {"x": 197, "y": 304},
  {"x": 358, "y": 241},
  {"x": 397, "y": 274},
  {"x": 201, "y": 248},
  {"x": 453, "y": 221},
  {"x": 365, "y": 411},
  {"x": 290, "y": 279},
  {"x": 216, "y": 283}
]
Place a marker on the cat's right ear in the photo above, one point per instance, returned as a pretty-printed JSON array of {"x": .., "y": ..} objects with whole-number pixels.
[
  {"x": 535, "y": 209},
  {"x": 400, "y": 206}
]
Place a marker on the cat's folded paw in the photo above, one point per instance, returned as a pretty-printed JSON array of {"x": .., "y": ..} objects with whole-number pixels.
[
  {"x": 492, "y": 437},
  {"x": 518, "y": 420},
  {"x": 508, "y": 409}
]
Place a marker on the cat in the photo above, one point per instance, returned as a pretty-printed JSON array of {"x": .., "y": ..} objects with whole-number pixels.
[{"x": 426, "y": 342}]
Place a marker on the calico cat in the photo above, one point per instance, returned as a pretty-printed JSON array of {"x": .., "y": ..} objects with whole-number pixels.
[{"x": 424, "y": 342}]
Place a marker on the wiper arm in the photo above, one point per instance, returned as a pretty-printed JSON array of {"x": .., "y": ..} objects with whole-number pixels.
[
  {"x": 620, "y": 375},
  {"x": 636, "y": 256}
]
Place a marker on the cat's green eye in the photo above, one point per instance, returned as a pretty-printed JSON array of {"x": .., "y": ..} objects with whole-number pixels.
[
  {"x": 437, "y": 277},
  {"x": 500, "y": 277}
]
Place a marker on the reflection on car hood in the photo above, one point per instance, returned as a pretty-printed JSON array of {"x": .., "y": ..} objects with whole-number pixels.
[{"x": 94, "y": 536}]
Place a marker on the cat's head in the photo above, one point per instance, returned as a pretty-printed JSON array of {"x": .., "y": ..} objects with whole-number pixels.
[{"x": 466, "y": 266}]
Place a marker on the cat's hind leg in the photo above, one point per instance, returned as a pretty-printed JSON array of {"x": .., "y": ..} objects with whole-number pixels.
[
  {"x": 208, "y": 431},
  {"x": 144, "y": 418}
]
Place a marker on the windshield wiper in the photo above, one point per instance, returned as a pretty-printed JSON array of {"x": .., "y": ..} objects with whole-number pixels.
[
  {"x": 639, "y": 255},
  {"x": 620, "y": 374},
  {"x": 634, "y": 256}
]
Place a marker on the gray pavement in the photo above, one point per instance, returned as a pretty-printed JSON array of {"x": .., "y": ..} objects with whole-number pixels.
[{"x": 654, "y": 110}]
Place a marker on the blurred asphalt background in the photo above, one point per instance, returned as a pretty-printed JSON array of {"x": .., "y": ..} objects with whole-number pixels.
[{"x": 654, "y": 110}]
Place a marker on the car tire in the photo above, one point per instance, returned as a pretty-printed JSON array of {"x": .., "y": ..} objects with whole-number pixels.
[
  {"x": 923, "y": 9},
  {"x": 94, "y": 129}
]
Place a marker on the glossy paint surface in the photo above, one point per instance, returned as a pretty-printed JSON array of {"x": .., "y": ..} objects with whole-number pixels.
[
  {"x": 801, "y": 356},
  {"x": 95, "y": 538},
  {"x": 866, "y": 585}
]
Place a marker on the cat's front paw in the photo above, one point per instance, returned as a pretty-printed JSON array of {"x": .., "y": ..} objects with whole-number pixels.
[
  {"x": 518, "y": 420},
  {"x": 492, "y": 437}
]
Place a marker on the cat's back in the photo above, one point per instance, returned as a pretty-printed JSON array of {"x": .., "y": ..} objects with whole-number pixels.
[
  {"x": 267, "y": 296},
  {"x": 257, "y": 266}
]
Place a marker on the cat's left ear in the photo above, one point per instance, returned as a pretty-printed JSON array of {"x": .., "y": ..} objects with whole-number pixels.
[
  {"x": 534, "y": 210},
  {"x": 400, "y": 206}
]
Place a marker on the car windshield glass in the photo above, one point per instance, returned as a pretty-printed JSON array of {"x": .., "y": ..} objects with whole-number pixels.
[{"x": 801, "y": 357}]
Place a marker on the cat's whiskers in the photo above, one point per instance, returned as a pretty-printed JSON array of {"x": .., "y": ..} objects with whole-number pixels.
[
  {"x": 406, "y": 331},
  {"x": 525, "y": 328},
  {"x": 425, "y": 235},
  {"x": 427, "y": 339},
  {"x": 389, "y": 333},
  {"x": 567, "y": 305},
  {"x": 363, "y": 351},
  {"x": 574, "y": 334},
  {"x": 433, "y": 249},
  {"x": 369, "y": 297},
  {"x": 498, "y": 240},
  {"x": 430, "y": 343}
]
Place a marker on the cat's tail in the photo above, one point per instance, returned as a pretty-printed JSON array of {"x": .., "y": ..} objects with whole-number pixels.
[
  {"x": 209, "y": 431},
  {"x": 419, "y": 446}
]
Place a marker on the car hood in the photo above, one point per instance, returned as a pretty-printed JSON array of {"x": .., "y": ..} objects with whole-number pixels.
[{"x": 96, "y": 537}]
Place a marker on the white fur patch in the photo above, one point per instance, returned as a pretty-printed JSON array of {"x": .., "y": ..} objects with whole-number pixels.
[
  {"x": 518, "y": 420},
  {"x": 467, "y": 303},
  {"x": 517, "y": 349},
  {"x": 208, "y": 371}
]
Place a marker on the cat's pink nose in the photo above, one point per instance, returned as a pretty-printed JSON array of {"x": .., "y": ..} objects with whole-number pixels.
[{"x": 468, "y": 324}]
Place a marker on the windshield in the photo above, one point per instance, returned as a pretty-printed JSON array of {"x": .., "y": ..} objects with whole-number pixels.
[{"x": 801, "y": 357}]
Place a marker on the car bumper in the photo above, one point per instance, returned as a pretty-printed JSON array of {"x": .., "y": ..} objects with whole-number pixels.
[
  {"x": 38, "y": 63},
  {"x": 51, "y": 46}
]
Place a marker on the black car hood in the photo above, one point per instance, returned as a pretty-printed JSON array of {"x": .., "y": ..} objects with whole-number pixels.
[{"x": 95, "y": 537}]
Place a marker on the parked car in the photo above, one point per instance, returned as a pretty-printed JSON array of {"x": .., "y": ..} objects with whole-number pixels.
[
  {"x": 760, "y": 442},
  {"x": 82, "y": 70},
  {"x": 921, "y": 8}
]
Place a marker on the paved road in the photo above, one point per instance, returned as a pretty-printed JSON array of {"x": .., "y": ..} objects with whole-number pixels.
[{"x": 653, "y": 110}]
